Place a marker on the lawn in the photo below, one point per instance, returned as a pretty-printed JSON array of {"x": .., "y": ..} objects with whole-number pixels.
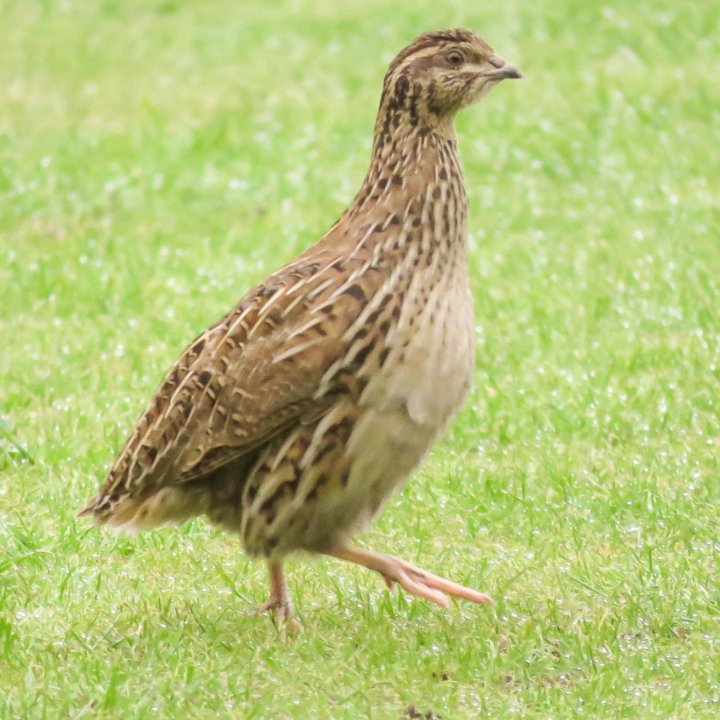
[{"x": 159, "y": 157}]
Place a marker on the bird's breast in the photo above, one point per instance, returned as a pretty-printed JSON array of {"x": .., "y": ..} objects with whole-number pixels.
[
  {"x": 429, "y": 367},
  {"x": 425, "y": 378}
]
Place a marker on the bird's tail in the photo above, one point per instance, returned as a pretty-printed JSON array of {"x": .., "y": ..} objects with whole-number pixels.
[{"x": 169, "y": 505}]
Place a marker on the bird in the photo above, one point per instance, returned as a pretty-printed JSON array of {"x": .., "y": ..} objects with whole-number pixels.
[{"x": 292, "y": 419}]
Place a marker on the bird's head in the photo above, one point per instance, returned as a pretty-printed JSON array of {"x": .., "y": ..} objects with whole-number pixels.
[{"x": 438, "y": 74}]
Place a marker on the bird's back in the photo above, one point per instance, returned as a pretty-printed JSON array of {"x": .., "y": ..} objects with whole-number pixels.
[{"x": 249, "y": 376}]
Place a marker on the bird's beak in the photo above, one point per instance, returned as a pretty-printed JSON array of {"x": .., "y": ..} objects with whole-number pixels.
[{"x": 504, "y": 70}]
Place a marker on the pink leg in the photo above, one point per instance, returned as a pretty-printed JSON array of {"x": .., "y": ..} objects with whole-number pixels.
[
  {"x": 413, "y": 579},
  {"x": 279, "y": 600}
]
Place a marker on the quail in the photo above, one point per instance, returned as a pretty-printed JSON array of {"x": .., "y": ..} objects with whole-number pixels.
[{"x": 292, "y": 419}]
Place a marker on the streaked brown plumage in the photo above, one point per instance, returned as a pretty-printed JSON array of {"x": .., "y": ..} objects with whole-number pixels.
[{"x": 293, "y": 418}]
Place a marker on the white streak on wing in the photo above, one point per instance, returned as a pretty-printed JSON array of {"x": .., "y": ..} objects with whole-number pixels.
[
  {"x": 386, "y": 289},
  {"x": 264, "y": 311},
  {"x": 361, "y": 242},
  {"x": 342, "y": 288},
  {"x": 307, "y": 326},
  {"x": 292, "y": 437},
  {"x": 320, "y": 288},
  {"x": 237, "y": 390},
  {"x": 235, "y": 324},
  {"x": 297, "y": 349},
  {"x": 289, "y": 308},
  {"x": 322, "y": 427}
]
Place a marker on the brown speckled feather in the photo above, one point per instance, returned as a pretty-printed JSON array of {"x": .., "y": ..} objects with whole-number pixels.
[{"x": 249, "y": 376}]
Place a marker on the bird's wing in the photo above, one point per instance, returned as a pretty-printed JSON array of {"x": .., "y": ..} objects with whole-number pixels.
[{"x": 275, "y": 360}]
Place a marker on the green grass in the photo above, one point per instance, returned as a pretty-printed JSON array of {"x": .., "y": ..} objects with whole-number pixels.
[{"x": 157, "y": 158}]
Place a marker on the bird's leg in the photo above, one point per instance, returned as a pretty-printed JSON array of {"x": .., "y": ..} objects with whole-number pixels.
[
  {"x": 279, "y": 600},
  {"x": 412, "y": 579}
]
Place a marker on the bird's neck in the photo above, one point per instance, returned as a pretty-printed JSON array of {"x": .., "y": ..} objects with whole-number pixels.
[
  {"x": 410, "y": 149},
  {"x": 414, "y": 176}
]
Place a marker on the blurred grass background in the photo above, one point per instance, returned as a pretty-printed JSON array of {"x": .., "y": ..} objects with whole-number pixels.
[{"x": 158, "y": 158}]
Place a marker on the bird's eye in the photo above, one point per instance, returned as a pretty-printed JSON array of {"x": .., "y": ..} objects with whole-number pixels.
[{"x": 454, "y": 58}]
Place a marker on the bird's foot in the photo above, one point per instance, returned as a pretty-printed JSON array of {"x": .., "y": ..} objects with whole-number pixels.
[
  {"x": 279, "y": 603},
  {"x": 281, "y": 610},
  {"x": 280, "y": 607},
  {"x": 412, "y": 579},
  {"x": 422, "y": 583}
]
